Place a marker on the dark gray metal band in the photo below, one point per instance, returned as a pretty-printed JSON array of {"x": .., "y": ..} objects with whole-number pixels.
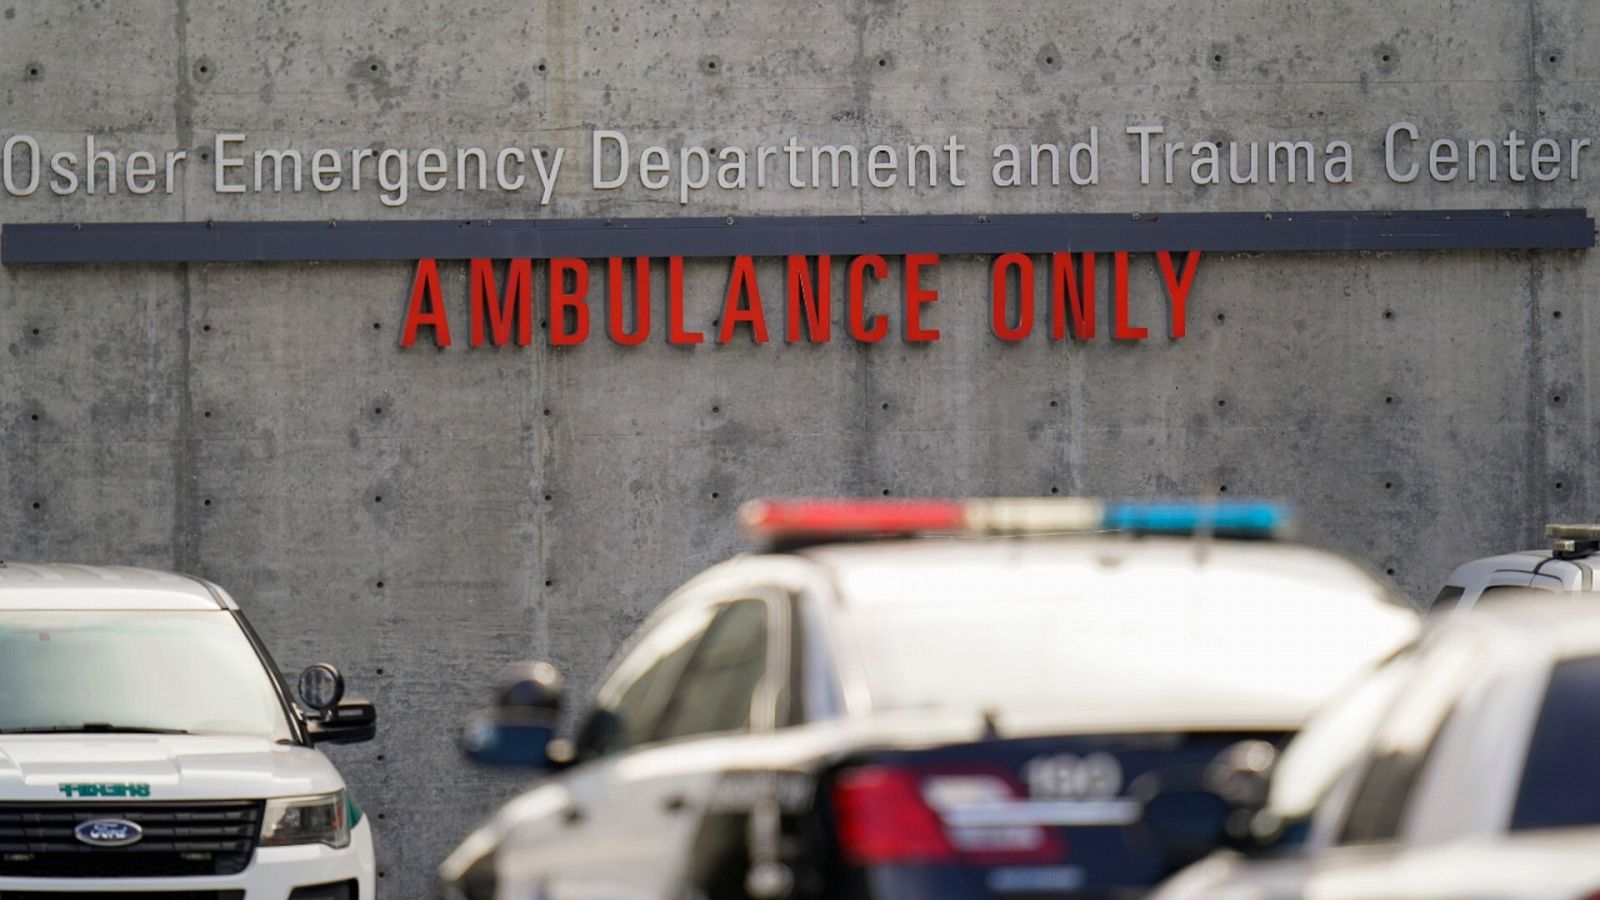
[{"x": 132, "y": 242}]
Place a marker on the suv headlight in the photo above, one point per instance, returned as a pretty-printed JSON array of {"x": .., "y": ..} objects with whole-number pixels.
[{"x": 323, "y": 819}]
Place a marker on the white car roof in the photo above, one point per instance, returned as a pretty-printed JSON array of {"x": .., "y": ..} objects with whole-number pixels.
[
  {"x": 876, "y": 572},
  {"x": 59, "y": 586},
  {"x": 1479, "y": 570},
  {"x": 1169, "y": 630}
]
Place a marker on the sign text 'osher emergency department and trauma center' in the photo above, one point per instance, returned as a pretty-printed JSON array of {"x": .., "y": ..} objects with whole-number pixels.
[{"x": 1403, "y": 153}]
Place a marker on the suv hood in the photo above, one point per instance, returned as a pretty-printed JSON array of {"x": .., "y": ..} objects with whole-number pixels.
[{"x": 174, "y": 767}]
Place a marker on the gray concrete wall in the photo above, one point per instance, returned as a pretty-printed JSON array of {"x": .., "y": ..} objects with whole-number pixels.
[{"x": 242, "y": 422}]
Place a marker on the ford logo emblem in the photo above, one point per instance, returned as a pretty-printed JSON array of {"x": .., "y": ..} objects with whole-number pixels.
[{"x": 108, "y": 832}]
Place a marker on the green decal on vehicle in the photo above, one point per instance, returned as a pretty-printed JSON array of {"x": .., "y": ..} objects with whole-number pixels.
[
  {"x": 352, "y": 809},
  {"x": 105, "y": 790}
]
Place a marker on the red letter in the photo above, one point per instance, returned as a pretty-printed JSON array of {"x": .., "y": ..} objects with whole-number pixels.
[
  {"x": 426, "y": 287},
  {"x": 519, "y": 289},
  {"x": 1062, "y": 273},
  {"x": 641, "y": 302},
  {"x": 675, "y": 332},
  {"x": 858, "y": 325},
  {"x": 916, "y": 297},
  {"x": 743, "y": 283},
  {"x": 1120, "y": 329},
  {"x": 814, "y": 302},
  {"x": 1178, "y": 290},
  {"x": 561, "y": 301},
  {"x": 997, "y": 310}
]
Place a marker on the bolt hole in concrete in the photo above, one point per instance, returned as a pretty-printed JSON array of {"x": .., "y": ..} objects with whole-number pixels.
[
  {"x": 34, "y": 417},
  {"x": 1055, "y": 490},
  {"x": 1556, "y": 314},
  {"x": 378, "y": 499},
  {"x": 1222, "y": 403},
  {"x": 715, "y": 495},
  {"x": 1388, "y": 314},
  {"x": 1559, "y": 486},
  {"x": 207, "y": 413},
  {"x": 1388, "y": 485},
  {"x": 1556, "y": 399},
  {"x": 541, "y": 67},
  {"x": 205, "y": 327},
  {"x": 1222, "y": 489},
  {"x": 376, "y": 325},
  {"x": 380, "y": 585},
  {"x": 1552, "y": 59},
  {"x": 1389, "y": 571},
  {"x": 36, "y": 332},
  {"x": 549, "y": 583},
  {"x": 377, "y": 410},
  {"x": 716, "y": 409},
  {"x": 547, "y": 412},
  {"x": 37, "y": 504},
  {"x": 548, "y": 498},
  {"x": 1221, "y": 317},
  {"x": 207, "y": 501},
  {"x": 1388, "y": 399},
  {"x": 380, "y": 671},
  {"x": 1054, "y": 404}
]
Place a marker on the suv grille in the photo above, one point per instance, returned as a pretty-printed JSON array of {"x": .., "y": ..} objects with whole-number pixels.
[{"x": 180, "y": 839}]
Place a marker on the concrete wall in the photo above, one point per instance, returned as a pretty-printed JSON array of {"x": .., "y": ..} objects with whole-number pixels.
[{"x": 242, "y": 422}]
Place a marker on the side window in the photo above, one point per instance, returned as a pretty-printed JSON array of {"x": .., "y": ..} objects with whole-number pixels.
[
  {"x": 630, "y": 701},
  {"x": 718, "y": 687},
  {"x": 1402, "y": 743},
  {"x": 1558, "y": 777}
]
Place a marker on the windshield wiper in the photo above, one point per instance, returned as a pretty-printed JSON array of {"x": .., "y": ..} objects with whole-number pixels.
[{"x": 92, "y": 728}]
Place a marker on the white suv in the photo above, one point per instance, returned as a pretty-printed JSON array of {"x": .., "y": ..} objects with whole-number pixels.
[
  {"x": 149, "y": 747},
  {"x": 1568, "y": 566}
]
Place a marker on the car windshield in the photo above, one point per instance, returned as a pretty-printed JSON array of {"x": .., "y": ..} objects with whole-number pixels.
[{"x": 107, "y": 671}]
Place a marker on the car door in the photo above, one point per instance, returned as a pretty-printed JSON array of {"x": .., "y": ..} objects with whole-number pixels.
[
  {"x": 641, "y": 817},
  {"x": 569, "y": 845}
]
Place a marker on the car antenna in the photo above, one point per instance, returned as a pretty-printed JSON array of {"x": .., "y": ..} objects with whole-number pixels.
[{"x": 991, "y": 725}]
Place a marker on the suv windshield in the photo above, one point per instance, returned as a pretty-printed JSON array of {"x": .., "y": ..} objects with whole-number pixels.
[{"x": 180, "y": 671}]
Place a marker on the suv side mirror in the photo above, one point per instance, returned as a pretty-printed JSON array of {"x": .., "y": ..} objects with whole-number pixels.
[
  {"x": 1194, "y": 813},
  {"x": 520, "y": 729},
  {"x": 339, "y": 719}
]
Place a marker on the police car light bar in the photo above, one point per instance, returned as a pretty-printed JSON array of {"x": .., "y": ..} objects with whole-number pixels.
[
  {"x": 1573, "y": 541},
  {"x": 799, "y": 520}
]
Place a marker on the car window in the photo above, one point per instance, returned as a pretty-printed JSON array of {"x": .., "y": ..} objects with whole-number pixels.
[
  {"x": 1559, "y": 786},
  {"x": 183, "y": 670},
  {"x": 1447, "y": 598},
  {"x": 631, "y": 699},
  {"x": 1334, "y": 739},
  {"x": 1402, "y": 743},
  {"x": 717, "y": 689}
]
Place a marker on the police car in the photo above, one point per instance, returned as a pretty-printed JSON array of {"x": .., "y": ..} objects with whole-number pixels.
[
  {"x": 931, "y": 699},
  {"x": 1567, "y": 566},
  {"x": 149, "y": 748},
  {"x": 1474, "y": 779}
]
